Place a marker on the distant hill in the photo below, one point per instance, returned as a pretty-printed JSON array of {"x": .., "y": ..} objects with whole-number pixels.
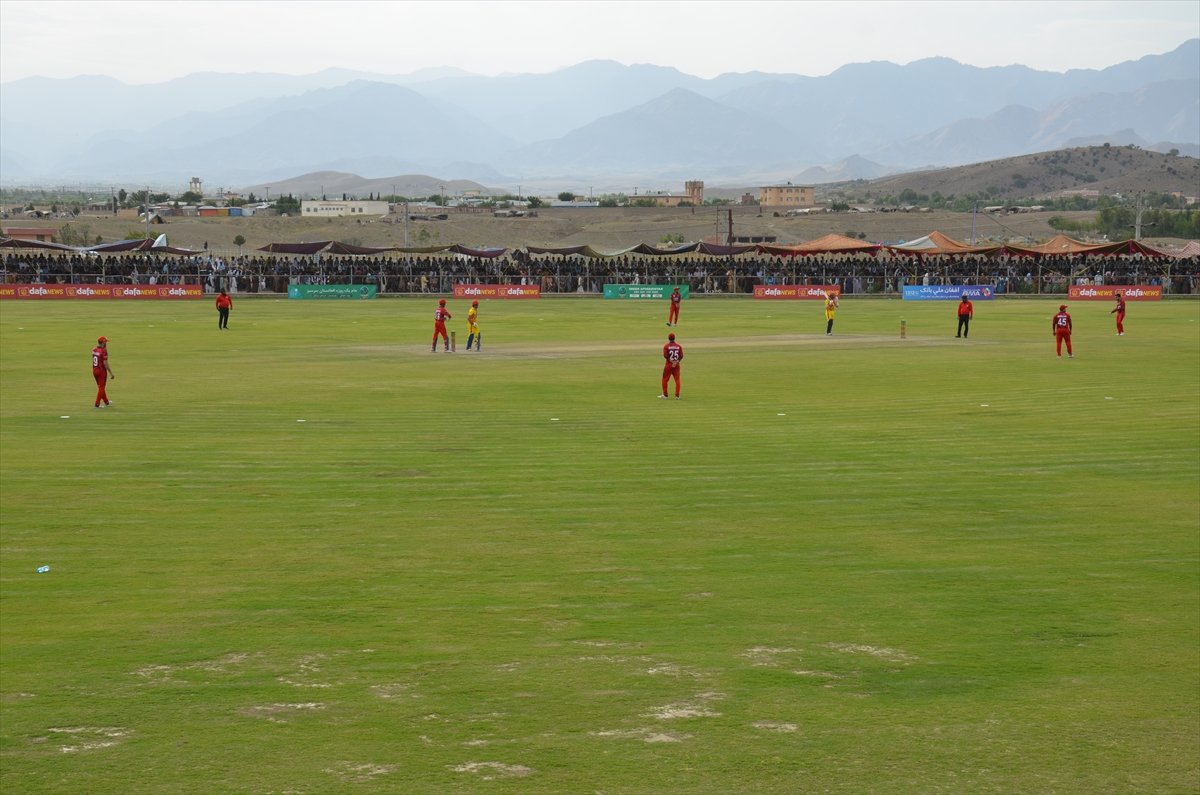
[
  {"x": 1107, "y": 169},
  {"x": 598, "y": 123},
  {"x": 335, "y": 183}
]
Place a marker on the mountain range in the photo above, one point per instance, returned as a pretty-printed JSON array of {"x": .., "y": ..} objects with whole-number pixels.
[{"x": 599, "y": 125}]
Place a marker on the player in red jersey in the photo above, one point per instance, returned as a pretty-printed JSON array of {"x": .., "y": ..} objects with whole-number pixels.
[
  {"x": 101, "y": 371},
  {"x": 439, "y": 326},
  {"x": 673, "y": 314},
  {"x": 673, "y": 353},
  {"x": 1062, "y": 331},
  {"x": 1120, "y": 312}
]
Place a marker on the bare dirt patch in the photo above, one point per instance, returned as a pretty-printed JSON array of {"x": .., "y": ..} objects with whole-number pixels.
[
  {"x": 891, "y": 655},
  {"x": 775, "y": 726},
  {"x": 489, "y": 771},
  {"x": 765, "y": 656},
  {"x": 278, "y": 713},
  {"x": 219, "y": 665},
  {"x": 89, "y": 738},
  {"x": 359, "y": 773}
]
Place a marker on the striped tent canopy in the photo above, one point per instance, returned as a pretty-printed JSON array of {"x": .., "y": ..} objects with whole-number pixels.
[{"x": 938, "y": 243}]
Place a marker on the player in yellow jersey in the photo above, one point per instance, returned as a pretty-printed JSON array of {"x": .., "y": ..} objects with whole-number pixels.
[
  {"x": 473, "y": 328},
  {"x": 831, "y": 305}
]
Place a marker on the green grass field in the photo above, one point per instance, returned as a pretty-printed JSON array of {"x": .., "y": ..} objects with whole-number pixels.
[{"x": 307, "y": 556}]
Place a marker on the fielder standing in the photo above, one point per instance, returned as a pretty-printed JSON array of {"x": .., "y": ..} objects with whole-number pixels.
[
  {"x": 1119, "y": 310},
  {"x": 1062, "y": 331},
  {"x": 673, "y": 313},
  {"x": 101, "y": 372},
  {"x": 439, "y": 325},
  {"x": 673, "y": 354}
]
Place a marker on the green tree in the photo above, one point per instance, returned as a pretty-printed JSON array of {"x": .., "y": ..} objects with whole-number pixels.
[
  {"x": 534, "y": 201},
  {"x": 566, "y": 196},
  {"x": 190, "y": 197},
  {"x": 287, "y": 204},
  {"x": 239, "y": 241}
]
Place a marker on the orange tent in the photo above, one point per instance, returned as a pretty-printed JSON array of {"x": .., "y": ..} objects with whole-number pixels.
[
  {"x": 1061, "y": 244},
  {"x": 829, "y": 244}
]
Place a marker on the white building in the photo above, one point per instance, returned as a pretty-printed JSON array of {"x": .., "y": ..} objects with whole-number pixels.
[{"x": 313, "y": 208}]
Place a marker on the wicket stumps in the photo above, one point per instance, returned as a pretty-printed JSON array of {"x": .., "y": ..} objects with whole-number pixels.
[{"x": 452, "y": 346}]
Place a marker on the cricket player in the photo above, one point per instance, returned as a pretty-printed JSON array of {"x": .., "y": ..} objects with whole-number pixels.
[
  {"x": 831, "y": 305},
  {"x": 673, "y": 313},
  {"x": 473, "y": 327},
  {"x": 1119, "y": 310},
  {"x": 101, "y": 372},
  {"x": 966, "y": 311},
  {"x": 673, "y": 354},
  {"x": 1062, "y": 331},
  {"x": 439, "y": 326}
]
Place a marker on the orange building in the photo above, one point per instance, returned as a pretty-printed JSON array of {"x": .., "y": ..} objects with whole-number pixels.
[
  {"x": 788, "y": 195},
  {"x": 29, "y": 233}
]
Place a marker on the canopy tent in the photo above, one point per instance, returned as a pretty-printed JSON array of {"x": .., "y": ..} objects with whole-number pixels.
[
  {"x": 12, "y": 242},
  {"x": 296, "y": 248},
  {"x": 938, "y": 243},
  {"x": 146, "y": 244},
  {"x": 829, "y": 244},
  {"x": 1190, "y": 251},
  {"x": 1061, "y": 244}
]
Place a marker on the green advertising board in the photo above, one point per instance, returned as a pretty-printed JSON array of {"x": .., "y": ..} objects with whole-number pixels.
[
  {"x": 323, "y": 291},
  {"x": 643, "y": 290}
]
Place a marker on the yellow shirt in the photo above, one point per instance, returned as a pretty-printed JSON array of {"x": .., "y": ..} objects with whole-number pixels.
[
  {"x": 830, "y": 308},
  {"x": 472, "y": 320}
]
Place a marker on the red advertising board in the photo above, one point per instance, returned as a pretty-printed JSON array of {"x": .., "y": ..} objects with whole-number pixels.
[
  {"x": 809, "y": 292},
  {"x": 88, "y": 291},
  {"x": 497, "y": 291},
  {"x": 1108, "y": 292}
]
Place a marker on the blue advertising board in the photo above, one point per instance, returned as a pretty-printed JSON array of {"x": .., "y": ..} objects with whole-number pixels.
[{"x": 948, "y": 292}]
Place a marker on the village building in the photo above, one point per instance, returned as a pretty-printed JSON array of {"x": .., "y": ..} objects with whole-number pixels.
[
  {"x": 314, "y": 208},
  {"x": 788, "y": 195},
  {"x": 693, "y": 194}
]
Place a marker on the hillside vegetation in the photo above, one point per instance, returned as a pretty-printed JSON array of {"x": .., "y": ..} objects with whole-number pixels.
[{"x": 1110, "y": 170}]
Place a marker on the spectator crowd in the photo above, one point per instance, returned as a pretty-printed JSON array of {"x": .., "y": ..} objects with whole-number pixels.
[{"x": 554, "y": 273}]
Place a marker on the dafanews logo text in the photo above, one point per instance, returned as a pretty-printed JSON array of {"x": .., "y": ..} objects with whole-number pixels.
[
  {"x": 797, "y": 292},
  {"x": 92, "y": 291},
  {"x": 1108, "y": 292},
  {"x": 497, "y": 291}
]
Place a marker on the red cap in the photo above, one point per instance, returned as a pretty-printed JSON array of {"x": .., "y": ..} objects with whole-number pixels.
[
  {"x": 671, "y": 337},
  {"x": 442, "y": 302},
  {"x": 474, "y": 303},
  {"x": 1062, "y": 308},
  {"x": 102, "y": 340}
]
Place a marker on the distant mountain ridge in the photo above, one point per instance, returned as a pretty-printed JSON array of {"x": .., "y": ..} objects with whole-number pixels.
[{"x": 598, "y": 124}]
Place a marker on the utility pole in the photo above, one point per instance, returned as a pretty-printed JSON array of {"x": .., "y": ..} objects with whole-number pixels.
[
  {"x": 147, "y": 212},
  {"x": 729, "y": 239},
  {"x": 1137, "y": 219}
]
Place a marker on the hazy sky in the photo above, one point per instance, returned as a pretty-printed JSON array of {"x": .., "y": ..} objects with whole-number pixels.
[{"x": 154, "y": 41}]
